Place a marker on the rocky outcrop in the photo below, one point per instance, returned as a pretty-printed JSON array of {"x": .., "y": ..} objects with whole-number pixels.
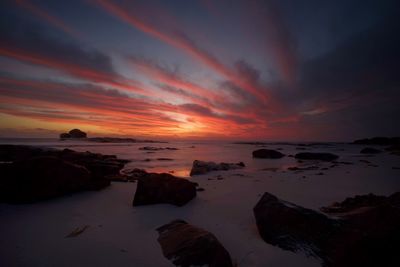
[
  {"x": 159, "y": 188},
  {"x": 74, "y": 133},
  {"x": 385, "y": 141},
  {"x": 370, "y": 150},
  {"x": 316, "y": 156},
  {"x": 30, "y": 174},
  {"x": 267, "y": 154},
  {"x": 40, "y": 178},
  {"x": 364, "y": 231},
  {"x": 202, "y": 167},
  {"x": 187, "y": 245}
]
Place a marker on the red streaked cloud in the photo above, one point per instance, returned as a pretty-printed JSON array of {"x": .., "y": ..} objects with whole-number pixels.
[
  {"x": 181, "y": 41},
  {"x": 56, "y": 22},
  {"x": 74, "y": 70}
]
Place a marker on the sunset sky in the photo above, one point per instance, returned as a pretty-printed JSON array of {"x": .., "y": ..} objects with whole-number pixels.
[{"x": 244, "y": 70}]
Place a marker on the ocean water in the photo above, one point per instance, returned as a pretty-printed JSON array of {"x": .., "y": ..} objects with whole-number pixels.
[
  {"x": 381, "y": 176},
  {"x": 179, "y": 162}
]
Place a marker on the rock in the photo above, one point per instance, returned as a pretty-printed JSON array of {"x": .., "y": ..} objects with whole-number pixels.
[
  {"x": 267, "y": 154},
  {"x": 387, "y": 141},
  {"x": 111, "y": 140},
  {"x": 251, "y": 143},
  {"x": 370, "y": 150},
  {"x": 395, "y": 148},
  {"x": 291, "y": 227},
  {"x": 135, "y": 174},
  {"x": 187, "y": 245},
  {"x": 152, "y": 148},
  {"x": 306, "y": 168},
  {"x": 40, "y": 178},
  {"x": 364, "y": 231},
  {"x": 158, "y": 188},
  {"x": 65, "y": 136},
  {"x": 353, "y": 203},
  {"x": 10, "y": 153},
  {"x": 202, "y": 167},
  {"x": 22, "y": 168},
  {"x": 316, "y": 156}
]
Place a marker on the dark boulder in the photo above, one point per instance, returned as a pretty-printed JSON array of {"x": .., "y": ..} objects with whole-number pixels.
[
  {"x": 41, "y": 178},
  {"x": 364, "y": 231},
  {"x": 24, "y": 163},
  {"x": 316, "y": 156},
  {"x": 291, "y": 227},
  {"x": 202, "y": 167},
  {"x": 158, "y": 188},
  {"x": 15, "y": 152},
  {"x": 76, "y": 133},
  {"x": 267, "y": 154},
  {"x": 370, "y": 150},
  {"x": 187, "y": 245},
  {"x": 98, "y": 164}
]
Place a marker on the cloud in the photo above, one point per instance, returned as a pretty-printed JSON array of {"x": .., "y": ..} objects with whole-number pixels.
[
  {"x": 31, "y": 44},
  {"x": 179, "y": 39}
]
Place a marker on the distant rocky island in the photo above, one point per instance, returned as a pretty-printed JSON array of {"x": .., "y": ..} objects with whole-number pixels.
[{"x": 77, "y": 134}]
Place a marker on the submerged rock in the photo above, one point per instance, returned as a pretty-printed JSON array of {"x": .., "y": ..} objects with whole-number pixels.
[
  {"x": 316, "y": 156},
  {"x": 158, "y": 188},
  {"x": 187, "y": 245},
  {"x": 267, "y": 154},
  {"x": 364, "y": 231},
  {"x": 202, "y": 167},
  {"x": 370, "y": 150}
]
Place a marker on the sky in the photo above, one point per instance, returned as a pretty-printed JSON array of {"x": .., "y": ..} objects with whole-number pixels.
[{"x": 201, "y": 69}]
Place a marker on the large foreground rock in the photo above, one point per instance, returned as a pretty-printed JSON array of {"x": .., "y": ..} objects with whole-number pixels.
[
  {"x": 187, "y": 245},
  {"x": 267, "y": 154},
  {"x": 158, "y": 188},
  {"x": 30, "y": 173},
  {"x": 41, "y": 178},
  {"x": 291, "y": 227},
  {"x": 364, "y": 231},
  {"x": 316, "y": 156},
  {"x": 202, "y": 167}
]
